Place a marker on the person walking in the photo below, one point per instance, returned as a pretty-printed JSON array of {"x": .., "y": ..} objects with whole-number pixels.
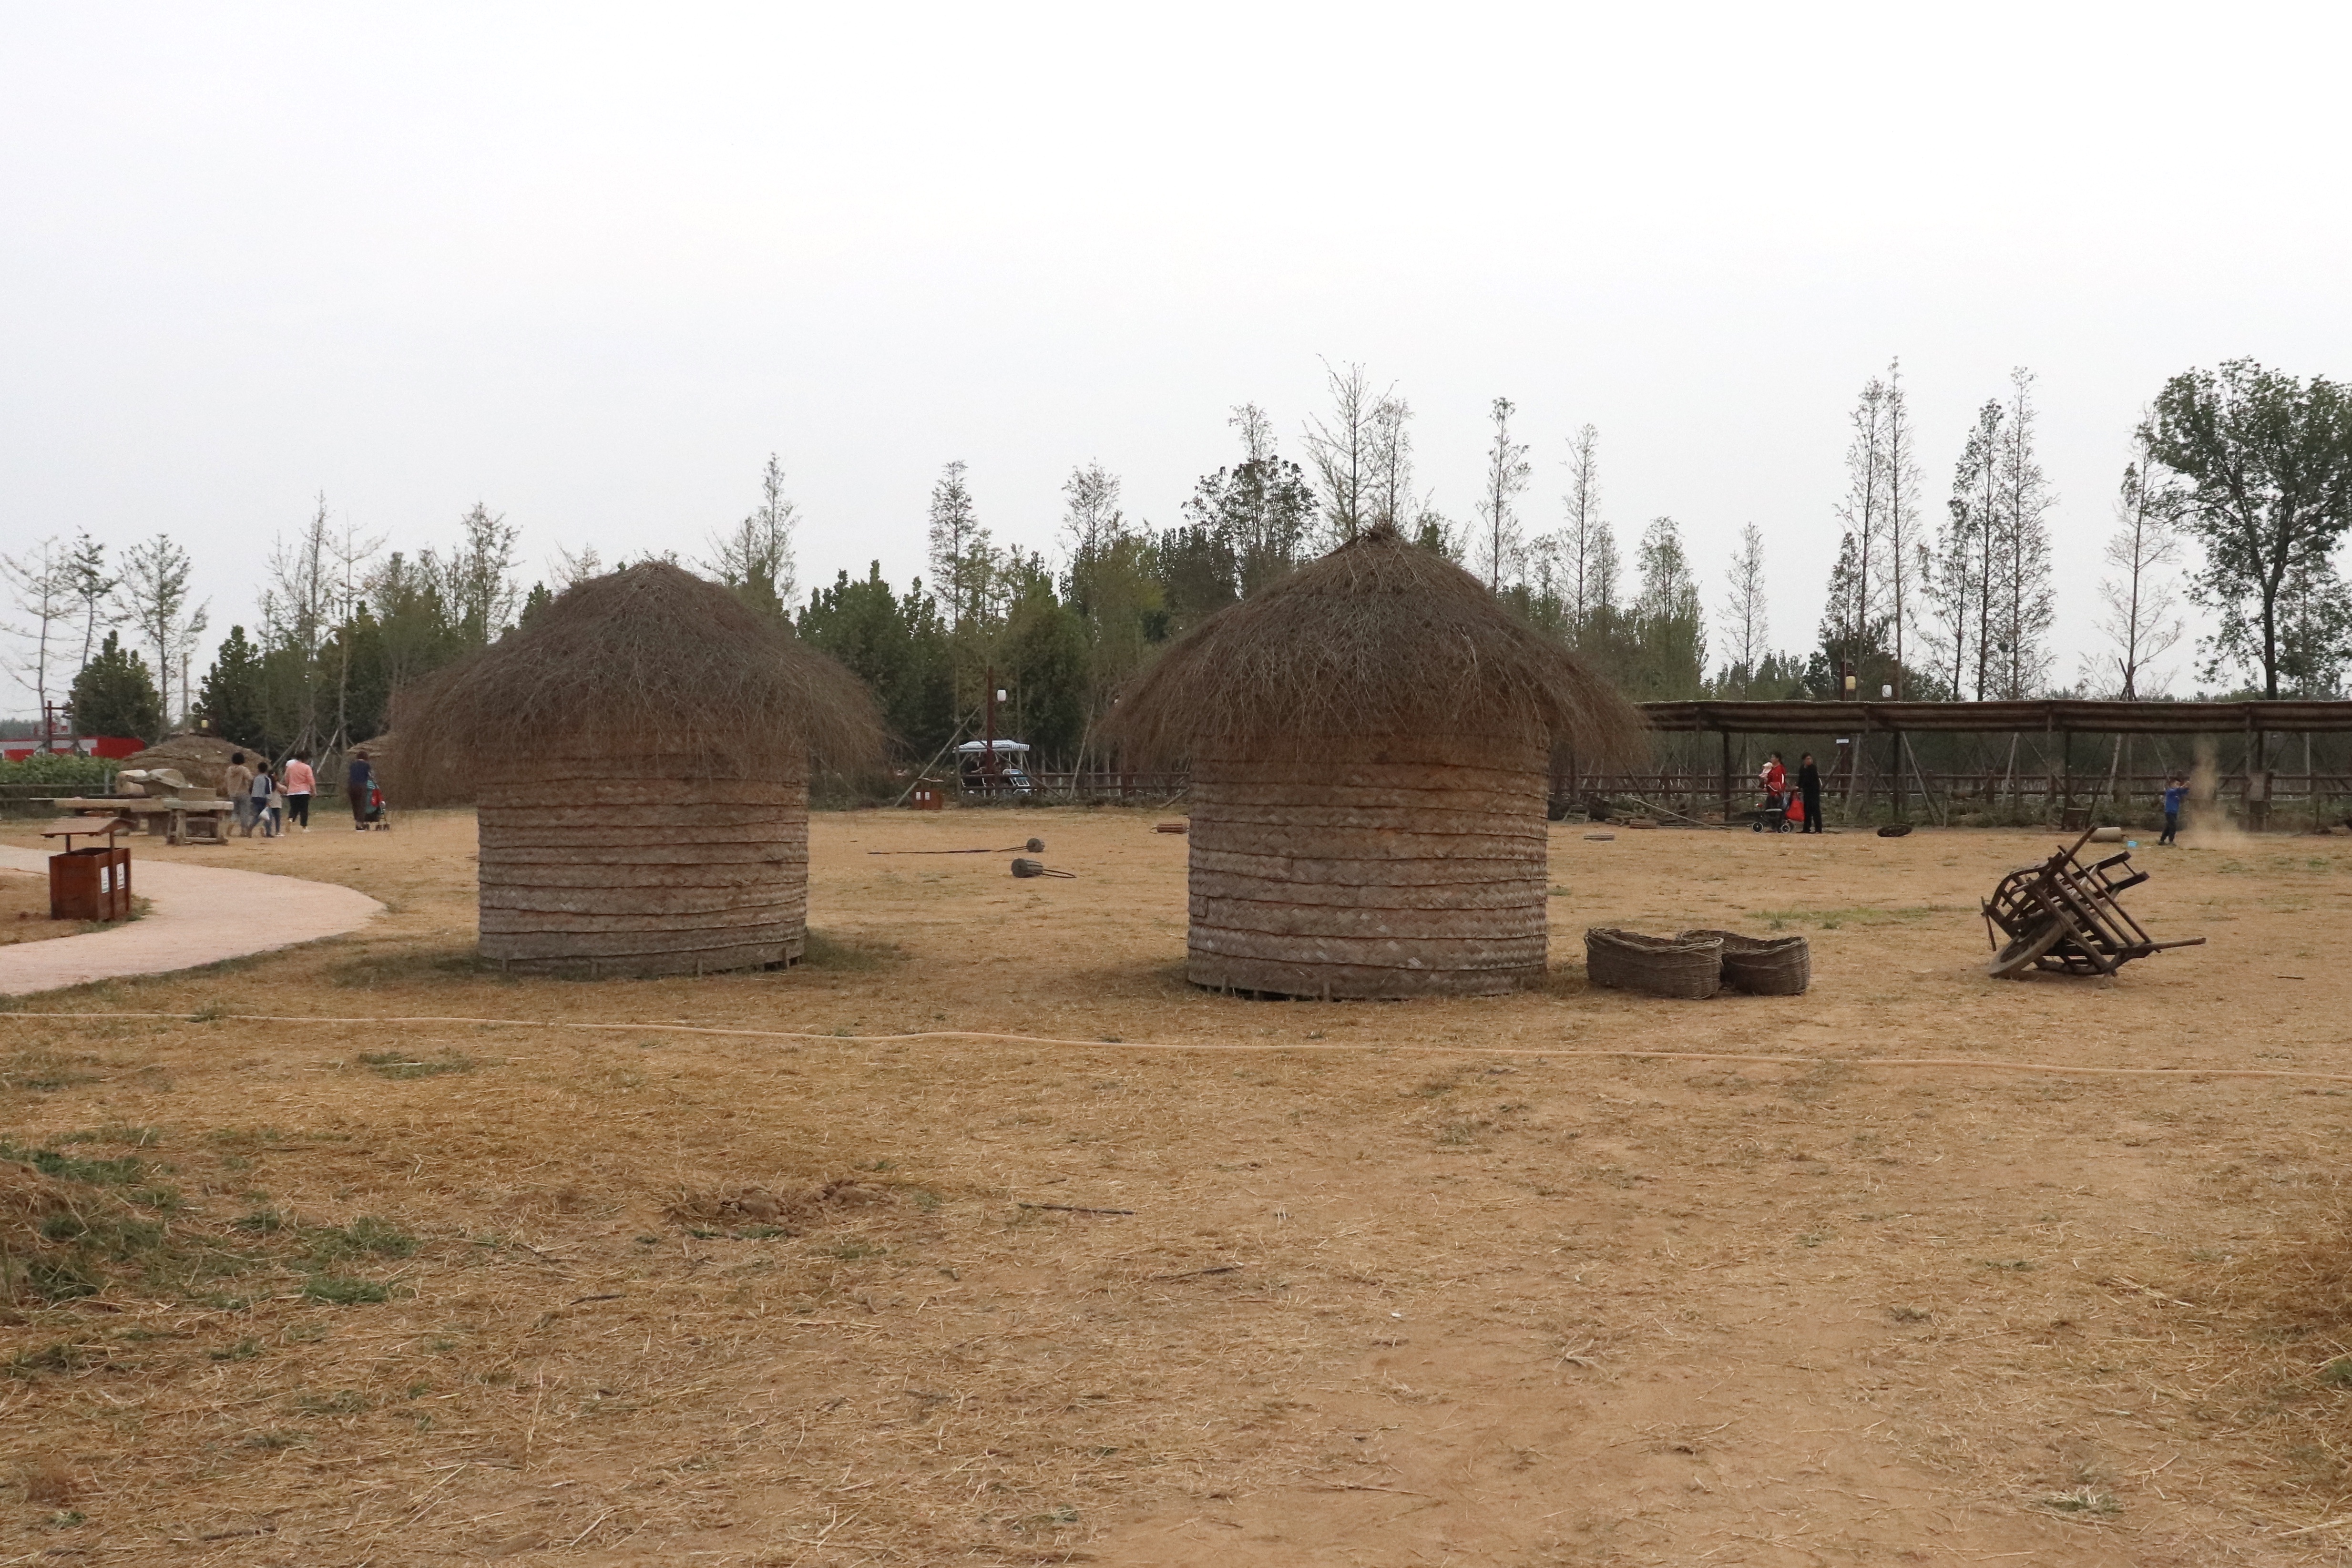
[
  {"x": 2176, "y": 795},
  {"x": 357, "y": 776},
  {"x": 1775, "y": 780},
  {"x": 237, "y": 782},
  {"x": 257, "y": 794},
  {"x": 1809, "y": 785},
  {"x": 300, "y": 784}
]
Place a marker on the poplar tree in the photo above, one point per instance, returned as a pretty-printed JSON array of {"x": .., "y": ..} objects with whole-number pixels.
[
  {"x": 1507, "y": 475},
  {"x": 1746, "y": 625},
  {"x": 2023, "y": 603}
]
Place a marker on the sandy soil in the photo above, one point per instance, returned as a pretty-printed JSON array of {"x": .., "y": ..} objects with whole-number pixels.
[{"x": 1208, "y": 1280}]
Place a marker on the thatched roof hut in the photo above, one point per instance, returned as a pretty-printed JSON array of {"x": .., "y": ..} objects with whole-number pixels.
[
  {"x": 1369, "y": 741},
  {"x": 639, "y": 759}
]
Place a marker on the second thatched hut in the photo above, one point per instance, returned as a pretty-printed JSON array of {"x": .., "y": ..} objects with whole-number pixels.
[
  {"x": 1369, "y": 741},
  {"x": 639, "y": 759}
]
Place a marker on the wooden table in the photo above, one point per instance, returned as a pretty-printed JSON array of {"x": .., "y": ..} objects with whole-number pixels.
[{"x": 180, "y": 819}]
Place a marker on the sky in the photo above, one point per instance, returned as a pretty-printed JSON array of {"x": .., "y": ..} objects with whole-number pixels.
[{"x": 590, "y": 265}]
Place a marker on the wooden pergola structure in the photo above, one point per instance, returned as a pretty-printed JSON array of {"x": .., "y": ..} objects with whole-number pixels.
[{"x": 2060, "y": 718}]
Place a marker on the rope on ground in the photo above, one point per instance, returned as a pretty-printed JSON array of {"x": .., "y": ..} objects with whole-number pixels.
[{"x": 1544, "y": 1054}]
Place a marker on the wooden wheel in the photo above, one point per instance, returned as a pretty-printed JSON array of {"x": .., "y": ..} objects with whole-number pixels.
[{"x": 2023, "y": 951}]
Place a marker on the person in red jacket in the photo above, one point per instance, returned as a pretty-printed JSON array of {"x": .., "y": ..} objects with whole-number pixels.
[{"x": 1775, "y": 779}]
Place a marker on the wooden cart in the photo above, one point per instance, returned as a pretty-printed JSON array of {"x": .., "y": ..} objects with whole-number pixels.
[{"x": 2064, "y": 916}]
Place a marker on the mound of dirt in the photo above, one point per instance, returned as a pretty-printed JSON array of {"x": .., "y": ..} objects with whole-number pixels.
[
  {"x": 789, "y": 1212},
  {"x": 201, "y": 759}
]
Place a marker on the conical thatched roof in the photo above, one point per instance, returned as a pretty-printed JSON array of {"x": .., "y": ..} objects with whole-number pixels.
[
  {"x": 1379, "y": 637},
  {"x": 651, "y": 662}
]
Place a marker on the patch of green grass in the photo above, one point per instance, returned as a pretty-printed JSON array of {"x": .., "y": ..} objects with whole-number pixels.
[
  {"x": 400, "y": 1065},
  {"x": 63, "y": 1356},
  {"x": 244, "y": 1350},
  {"x": 343, "y": 1290},
  {"x": 1910, "y": 1315},
  {"x": 114, "y": 1132},
  {"x": 276, "y": 1438},
  {"x": 343, "y": 1401},
  {"x": 261, "y": 1222},
  {"x": 366, "y": 1236},
  {"x": 118, "y": 1171},
  {"x": 2338, "y": 1374},
  {"x": 45, "y": 1071}
]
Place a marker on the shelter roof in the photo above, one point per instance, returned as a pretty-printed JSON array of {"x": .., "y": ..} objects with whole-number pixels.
[{"x": 2053, "y": 715}]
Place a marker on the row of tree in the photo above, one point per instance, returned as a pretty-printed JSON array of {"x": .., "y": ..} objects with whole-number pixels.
[{"x": 2253, "y": 466}]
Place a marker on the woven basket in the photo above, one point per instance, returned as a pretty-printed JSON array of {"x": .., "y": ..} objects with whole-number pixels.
[
  {"x": 1764, "y": 965},
  {"x": 1660, "y": 965}
]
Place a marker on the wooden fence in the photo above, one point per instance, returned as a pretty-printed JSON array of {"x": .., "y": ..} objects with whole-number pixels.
[{"x": 1697, "y": 792}]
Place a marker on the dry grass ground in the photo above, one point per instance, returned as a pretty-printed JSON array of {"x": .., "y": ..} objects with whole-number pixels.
[
  {"x": 24, "y": 910},
  {"x": 1225, "y": 1281}
]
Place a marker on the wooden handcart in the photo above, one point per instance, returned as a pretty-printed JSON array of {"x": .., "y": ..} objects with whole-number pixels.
[{"x": 2064, "y": 916}]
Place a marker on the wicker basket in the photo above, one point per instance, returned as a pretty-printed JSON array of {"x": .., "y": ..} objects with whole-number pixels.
[
  {"x": 1765, "y": 966},
  {"x": 1689, "y": 966}
]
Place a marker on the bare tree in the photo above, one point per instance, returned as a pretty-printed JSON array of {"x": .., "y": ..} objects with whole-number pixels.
[
  {"x": 1746, "y": 628},
  {"x": 1902, "y": 553},
  {"x": 2141, "y": 622},
  {"x": 754, "y": 558},
  {"x": 349, "y": 558},
  {"x": 1091, "y": 518},
  {"x": 155, "y": 593},
  {"x": 1341, "y": 448},
  {"x": 297, "y": 609},
  {"x": 94, "y": 586},
  {"x": 569, "y": 568},
  {"x": 1588, "y": 546},
  {"x": 1392, "y": 503},
  {"x": 2023, "y": 610},
  {"x": 40, "y": 586},
  {"x": 1507, "y": 475},
  {"x": 1962, "y": 586},
  {"x": 1852, "y": 610},
  {"x": 476, "y": 577}
]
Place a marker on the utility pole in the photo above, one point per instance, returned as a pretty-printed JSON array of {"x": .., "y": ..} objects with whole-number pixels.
[{"x": 988, "y": 744}]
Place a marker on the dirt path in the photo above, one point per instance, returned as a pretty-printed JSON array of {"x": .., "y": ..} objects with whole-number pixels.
[
  {"x": 1402, "y": 1283},
  {"x": 196, "y": 915}
]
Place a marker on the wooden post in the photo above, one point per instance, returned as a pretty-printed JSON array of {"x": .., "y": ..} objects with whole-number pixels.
[{"x": 1727, "y": 777}]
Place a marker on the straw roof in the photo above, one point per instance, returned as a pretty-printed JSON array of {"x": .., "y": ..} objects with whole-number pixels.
[
  {"x": 1379, "y": 637},
  {"x": 650, "y": 662}
]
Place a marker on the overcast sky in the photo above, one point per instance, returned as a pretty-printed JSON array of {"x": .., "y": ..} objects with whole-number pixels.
[{"x": 591, "y": 265}]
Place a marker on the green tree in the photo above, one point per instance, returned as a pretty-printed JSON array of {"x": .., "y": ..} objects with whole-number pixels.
[
  {"x": 231, "y": 702},
  {"x": 1045, "y": 664},
  {"x": 1669, "y": 627},
  {"x": 898, "y": 647},
  {"x": 115, "y": 695},
  {"x": 2267, "y": 463}
]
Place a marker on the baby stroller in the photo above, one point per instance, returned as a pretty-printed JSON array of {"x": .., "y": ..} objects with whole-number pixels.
[
  {"x": 378, "y": 817},
  {"x": 1787, "y": 816}
]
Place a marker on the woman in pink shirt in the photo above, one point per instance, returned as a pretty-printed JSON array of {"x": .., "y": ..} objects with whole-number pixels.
[{"x": 299, "y": 780}]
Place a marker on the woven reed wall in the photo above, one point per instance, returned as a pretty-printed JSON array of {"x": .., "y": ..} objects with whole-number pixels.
[
  {"x": 593, "y": 868},
  {"x": 1380, "y": 869}
]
